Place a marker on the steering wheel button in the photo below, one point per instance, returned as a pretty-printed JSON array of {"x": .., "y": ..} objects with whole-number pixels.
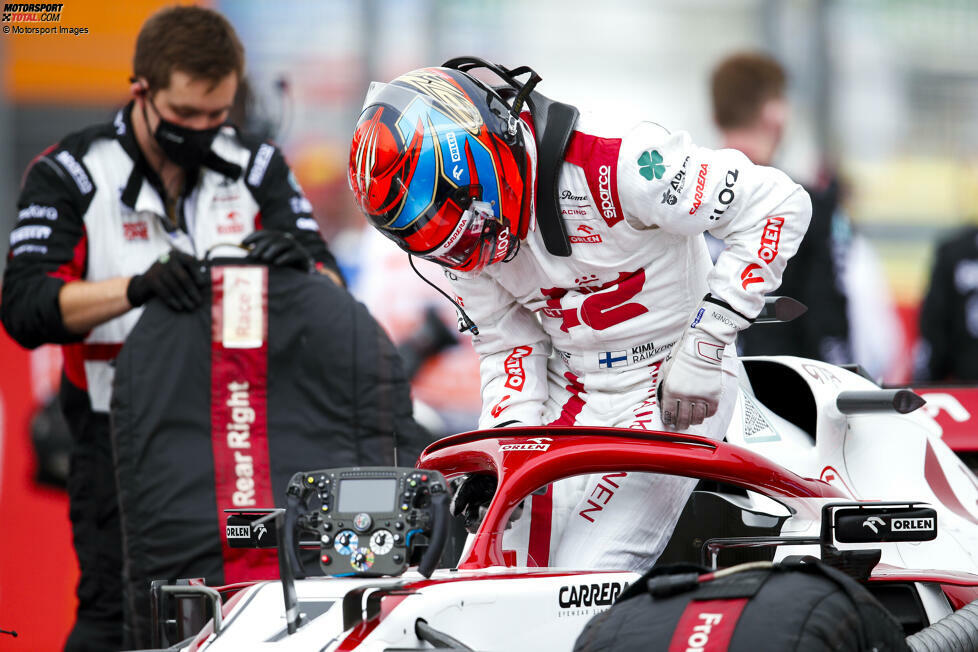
[
  {"x": 424, "y": 478},
  {"x": 325, "y": 559},
  {"x": 404, "y": 507}
]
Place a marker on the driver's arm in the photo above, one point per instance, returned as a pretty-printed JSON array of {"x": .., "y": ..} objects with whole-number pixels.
[
  {"x": 759, "y": 213},
  {"x": 513, "y": 352}
]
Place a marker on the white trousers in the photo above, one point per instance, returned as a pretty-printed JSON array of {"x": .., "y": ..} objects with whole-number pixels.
[{"x": 618, "y": 520}]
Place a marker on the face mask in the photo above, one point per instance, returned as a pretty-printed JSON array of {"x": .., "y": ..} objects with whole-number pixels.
[{"x": 188, "y": 148}]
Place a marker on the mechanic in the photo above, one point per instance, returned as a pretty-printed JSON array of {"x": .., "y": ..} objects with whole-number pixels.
[
  {"x": 947, "y": 349},
  {"x": 585, "y": 328},
  {"x": 750, "y": 110},
  {"x": 119, "y": 213}
]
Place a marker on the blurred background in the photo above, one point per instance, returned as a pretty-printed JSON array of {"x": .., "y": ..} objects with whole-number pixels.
[{"x": 883, "y": 92}]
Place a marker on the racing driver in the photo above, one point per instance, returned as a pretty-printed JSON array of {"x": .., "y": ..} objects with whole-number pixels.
[{"x": 577, "y": 257}]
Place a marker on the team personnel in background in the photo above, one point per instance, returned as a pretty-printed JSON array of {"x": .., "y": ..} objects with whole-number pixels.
[
  {"x": 577, "y": 251},
  {"x": 948, "y": 346},
  {"x": 750, "y": 110},
  {"x": 119, "y": 213}
]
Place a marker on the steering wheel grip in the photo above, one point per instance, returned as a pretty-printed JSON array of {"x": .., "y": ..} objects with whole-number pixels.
[{"x": 439, "y": 534}]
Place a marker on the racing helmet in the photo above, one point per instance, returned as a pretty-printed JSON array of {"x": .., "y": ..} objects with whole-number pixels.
[{"x": 439, "y": 165}]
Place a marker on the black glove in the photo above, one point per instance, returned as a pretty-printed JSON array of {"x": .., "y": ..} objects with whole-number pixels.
[
  {"x": 175, "y": 277},
  {"x": 473, "y": 493},
  {"x": 278, "y": 248}
]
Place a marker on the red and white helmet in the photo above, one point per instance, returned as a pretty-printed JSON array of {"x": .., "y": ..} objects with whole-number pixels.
[{"x": 439, "y": 165}]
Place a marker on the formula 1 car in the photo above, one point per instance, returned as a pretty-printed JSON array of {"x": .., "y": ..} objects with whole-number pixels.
[{"x": 818, "y": 460}]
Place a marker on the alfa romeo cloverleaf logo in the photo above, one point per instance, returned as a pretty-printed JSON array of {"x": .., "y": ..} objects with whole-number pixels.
[{"x": 650, "y": 165}]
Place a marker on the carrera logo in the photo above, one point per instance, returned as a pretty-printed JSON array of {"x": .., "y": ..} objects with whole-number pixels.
[
  {"x": 588, "y": 235},
  {"x": 515, "y": 376},
  {"x": 231, "y": 223},
  {"x": 536, "y": 444},
  {"x": 604, "y": 193},
  {"x": 700, "y": 187},
  {"x": 590, "y": 595},
  {"x": 747, "y": 276},
  {"x": 135, "y": 231},
  {"x": 770, "y": 239}
]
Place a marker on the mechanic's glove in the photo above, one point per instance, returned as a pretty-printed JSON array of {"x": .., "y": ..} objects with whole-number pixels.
[
  {"x": 278, "y": 248},
  {"x": 175, "y": 277},
  {"x": 473, "y": 493},
  {"x": 692, "y": 374}
]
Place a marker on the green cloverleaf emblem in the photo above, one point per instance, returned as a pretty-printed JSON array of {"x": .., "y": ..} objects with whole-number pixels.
[{"x": 650, "y": 165}]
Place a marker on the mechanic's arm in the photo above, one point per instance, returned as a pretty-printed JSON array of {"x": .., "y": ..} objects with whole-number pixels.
[
  {"x": 513, "y": 352},
  {"x": 47, "y": 251},
  {"x": 285, "y": 211},
  {"x": 86, "y": 304}
]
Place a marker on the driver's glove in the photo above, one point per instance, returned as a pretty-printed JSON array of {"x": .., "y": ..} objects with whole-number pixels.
[
  {"x": 278, "y": 248},
  {"x": 175, "y": 277},
  {"x": 473, "y": 493},
  {"x": 692, "y": 375}
]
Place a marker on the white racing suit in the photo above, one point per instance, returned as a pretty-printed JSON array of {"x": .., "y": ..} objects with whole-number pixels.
[{"x": 579, "y": 340}]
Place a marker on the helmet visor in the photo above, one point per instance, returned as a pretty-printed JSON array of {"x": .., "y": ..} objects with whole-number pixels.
[{"x": 472, "y": 245}]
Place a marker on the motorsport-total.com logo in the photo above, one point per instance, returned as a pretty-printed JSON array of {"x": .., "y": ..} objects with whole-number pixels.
[
  {"x": 20, "y": 12},
  {"x": 35, "y": 18}
]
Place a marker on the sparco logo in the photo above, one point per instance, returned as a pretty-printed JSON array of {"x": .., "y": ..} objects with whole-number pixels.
[
  {"x": 536, "y": 444},
  {"x": 76, "y": 171},
  {"x": 604, "y": 192},
  {"x": 768, "y": 250},
  {"x": 239, "y": 437},
  {"x": 590, "y": 595},
  {"x": 515, "y": 376},
  {"x": 700, "y": 187}
]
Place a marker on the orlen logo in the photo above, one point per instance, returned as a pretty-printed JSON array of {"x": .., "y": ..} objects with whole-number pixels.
[
  {"x": 770, "y": 239},
  {"x": 515, "y": 376},
  {"x": 604, "y": 193},
  {"x": 232, "y": 224},
  {"x": 700, "y": 187},
  {"x": 589, "y": 236},
  {"x": 536, "y": 444}
]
